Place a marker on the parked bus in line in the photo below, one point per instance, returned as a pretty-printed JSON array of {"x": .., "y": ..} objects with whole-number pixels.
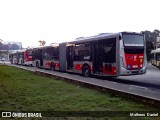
[
  {"x": 155, "y": 57},
  {"x": 105, "y": 55},
  {"x": 46, "y": 57},
  {"x": 21, "y": 57},
  {"x": 13, "y": 58}
]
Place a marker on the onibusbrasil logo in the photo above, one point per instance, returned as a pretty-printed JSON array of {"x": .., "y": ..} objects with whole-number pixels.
[{"x": 21, "y": 114}]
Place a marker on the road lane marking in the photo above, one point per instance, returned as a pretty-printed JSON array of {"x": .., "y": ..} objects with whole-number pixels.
[{"x": 139, "y": 87}]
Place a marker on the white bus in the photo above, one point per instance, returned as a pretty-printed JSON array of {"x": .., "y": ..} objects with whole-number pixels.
[{"x": 155, "y": 57}]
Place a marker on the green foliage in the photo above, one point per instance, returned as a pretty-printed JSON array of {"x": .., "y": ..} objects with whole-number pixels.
[
  {"x": 150, "y": 38},
  {"x": 23, "y": 90}
]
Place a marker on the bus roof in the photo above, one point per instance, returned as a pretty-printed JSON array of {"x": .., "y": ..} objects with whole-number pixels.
[
  {"x": 48, "y": 46},
  {"x": 93, "y": 38},
  {"x": 98, "y": 37},
  {"x": 20, "y": 51},
  {"x": 156, "y": 50},
  {"x": 15, "y": 51}
]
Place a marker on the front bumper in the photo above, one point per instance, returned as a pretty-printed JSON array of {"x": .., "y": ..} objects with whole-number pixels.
[{"x": 124, "y": 71}]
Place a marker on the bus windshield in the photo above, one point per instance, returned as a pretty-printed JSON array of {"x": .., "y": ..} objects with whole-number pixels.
[{"x": 133, "y": 40}]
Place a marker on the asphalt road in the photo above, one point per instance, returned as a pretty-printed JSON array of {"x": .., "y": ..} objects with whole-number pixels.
[{"x": 150, "y": 80}]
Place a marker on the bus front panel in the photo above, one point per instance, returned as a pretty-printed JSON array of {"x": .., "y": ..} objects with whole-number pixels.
[{"x": 132, "y": 54}]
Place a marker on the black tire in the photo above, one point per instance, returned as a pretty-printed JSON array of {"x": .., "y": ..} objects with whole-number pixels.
[
  {"x": 37, "y": 65},
  {"x": 52, "y": 67},
  {"x": 86, "y": 71}
]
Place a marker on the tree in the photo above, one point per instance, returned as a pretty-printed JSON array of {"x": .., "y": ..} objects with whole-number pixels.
[
  {"x": 149, "y": 42},
  {"x": 148, "y": 35},
  {"x": 42, "y": 42},
  {"x": 1, "y": 41},
  {"x": 150, "y": 38},
  {"x": 1, "y": 44},
  {"x": 156, "y": 31},
  {"x": 149, "y": 48}
]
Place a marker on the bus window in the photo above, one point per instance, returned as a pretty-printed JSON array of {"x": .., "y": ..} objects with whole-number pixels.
[
  {"x": 56, "y": 53},
  {"x": 46, "y": 53},
  {"x": 109, "y": 49},
  {"x": 82, "y": 52}
]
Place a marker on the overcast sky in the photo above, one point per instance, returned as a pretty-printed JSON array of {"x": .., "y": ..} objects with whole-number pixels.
[{"x": 29, "y": 21}]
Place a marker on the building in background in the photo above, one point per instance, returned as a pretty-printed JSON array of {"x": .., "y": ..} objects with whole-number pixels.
[
  {"x": 10, "y": 45},
  {"x": 7, "y": 47},
  {"x": 14, "y": 45}
]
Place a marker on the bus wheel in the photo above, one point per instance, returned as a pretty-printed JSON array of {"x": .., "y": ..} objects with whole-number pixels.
[
  {"x": 37, "y": 65},
  {"x": 86, "y": 71},
  {"x": 52, "y": 67}
]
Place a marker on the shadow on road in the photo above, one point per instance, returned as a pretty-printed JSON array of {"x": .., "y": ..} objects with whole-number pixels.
[{"x": 129, "y": 82}]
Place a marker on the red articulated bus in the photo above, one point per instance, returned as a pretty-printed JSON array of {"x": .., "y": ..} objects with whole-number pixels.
[
  {"x": 116, "y": 54},
  {"x": 21, "y": 57},
  {"x": 105, "y": 54},
  {"x": 46, "y": 57}
]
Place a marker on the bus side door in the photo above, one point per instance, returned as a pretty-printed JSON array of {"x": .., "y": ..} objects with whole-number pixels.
[
  {"x": 70, "y": 57},
  {"x": 97, "y": 57}
]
